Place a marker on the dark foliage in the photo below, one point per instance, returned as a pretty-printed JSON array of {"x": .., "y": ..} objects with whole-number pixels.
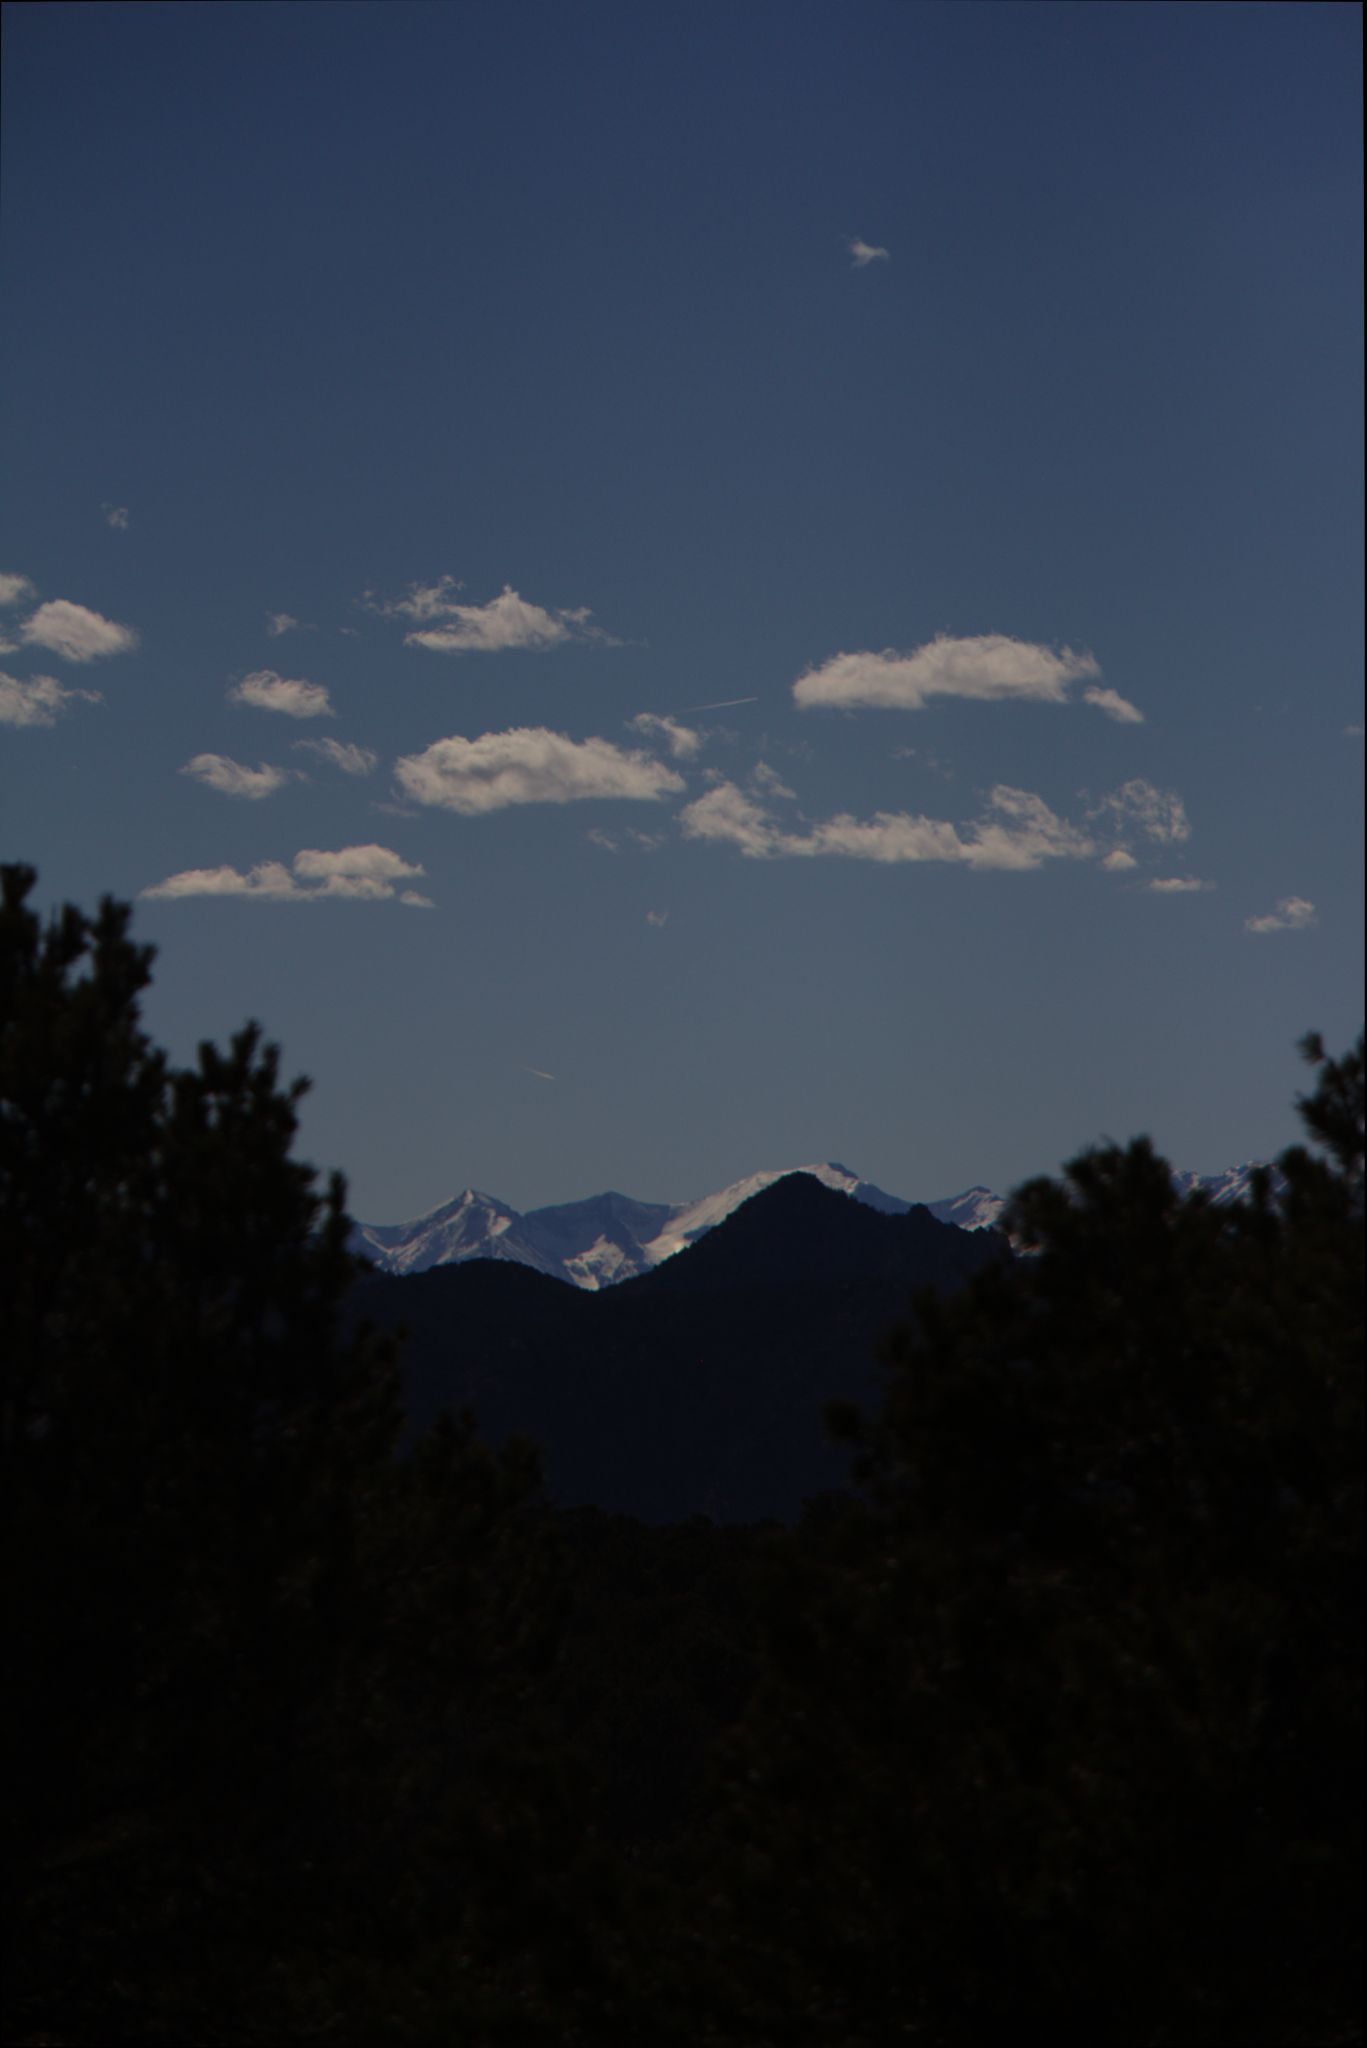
[
  {"x": 1060, "y": 1730},
  {"x": 316, "y": 1732}
]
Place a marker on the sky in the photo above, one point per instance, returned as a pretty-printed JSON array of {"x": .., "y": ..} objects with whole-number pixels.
[{"x": 666, "y": 592}]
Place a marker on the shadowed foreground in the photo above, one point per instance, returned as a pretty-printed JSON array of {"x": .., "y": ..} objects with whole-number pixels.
[{"x": 1051, "y": 1725}]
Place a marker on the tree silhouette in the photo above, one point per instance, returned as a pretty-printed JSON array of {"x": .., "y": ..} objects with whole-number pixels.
[
  {"x": 1061, "y": 1723},
  {"x": 268, "y": 1685}
]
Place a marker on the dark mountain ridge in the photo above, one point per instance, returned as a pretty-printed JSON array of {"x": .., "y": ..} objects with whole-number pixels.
[{"x": 697, "y": 1388}]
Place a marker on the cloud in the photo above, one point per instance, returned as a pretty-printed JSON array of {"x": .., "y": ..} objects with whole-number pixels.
[
  {"x": 683, "y": 742},
  {"x": 280, "y": 622},
  {"x": 1352, "y": 732},
  {"x": 530, "y": 765},
  {"x": 865, "y": 253},
  {"x": 1159, "y": 814},
  {"x": 1017, "y": 830},
  {"x": 505, "y": 622},
  {"x": 351, "y": 759},
  {"x": 232, "y": 779},
  {"x": 38, "y": 701},
  {"x": 1177, "y": 885},
  {"x": 1118, "y": 860},
  {"x": 270, "y": 692},
  {"x": 362, "y": 873},
  {"x": 1293, "y": 914},
  {"x": 76, "y": 633},
  {"x": 658, "y": 918},
  {"x": 116, "y": 516},
  {"x": 15, "y": 589},
  {"x": 1113, "y": 704},
  {"x": 540, "y": 1073},
  {"x": 768, "y": 781},
  {"x": 988, "y": 667},
  {"x": 602, "y": 840},
  {"x": 722, "y": 704}
]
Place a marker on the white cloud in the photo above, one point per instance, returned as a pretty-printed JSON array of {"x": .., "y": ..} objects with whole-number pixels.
[
  {"x": 658, "y": 918},
  {"x": 1118, "y": 860},
  {"x": 416, "y": 901},
  {"x": 1177, "y": 885},
  {"x": 270, "y": 692},
  {"x": 362, "y": 873},
  {"x": 15, "y": 589},
  {"x": 373, "y": 863},
  {"x": 1017, "y": 830},
  {"x": 683, "y": 742},
  {"x": 865, "y": 253},
  {"x": 38, "y": 701},
  {"x": 530, "y": 765},
  {"x": 232, "y": 779},
  {"x": 506, "y": 621},
  {"x": 343, "y": 754},
  {"x": 1113, "y": 704},
  {"x": 602, "y": 840},
  {"x": 1159, "y": 814},
  {"x": 280, "y": 622},
  {"x": 1293, "y": 914},
  {"x": 76, "y": 633},
  {"x": 116, "y": 516},
  {"x": 988, "y": 667},
  {"x": 1352, "y": 732}
]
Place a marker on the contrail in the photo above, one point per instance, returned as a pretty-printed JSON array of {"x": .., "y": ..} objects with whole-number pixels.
[
  {"x": 540, "y": 1073},
  {"x": 724, "y": 705}
]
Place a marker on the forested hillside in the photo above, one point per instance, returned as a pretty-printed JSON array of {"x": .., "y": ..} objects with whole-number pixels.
[{"x": 315, "y": 1728}]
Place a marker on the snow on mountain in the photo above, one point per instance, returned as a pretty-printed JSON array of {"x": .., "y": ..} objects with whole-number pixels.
[
  {"x": 690, "y": 1220},
  {"x": 974, "y": 1209},
  {"x": 608, "y": 1238}
]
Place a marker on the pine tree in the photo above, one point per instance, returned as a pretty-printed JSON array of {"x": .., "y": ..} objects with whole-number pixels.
[
  {"x": 273, "y": 1759},
  {"x": 1061, "y": 1723}
]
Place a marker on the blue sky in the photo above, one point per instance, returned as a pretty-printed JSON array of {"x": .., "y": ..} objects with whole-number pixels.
[{"x": 660, "y": 592}]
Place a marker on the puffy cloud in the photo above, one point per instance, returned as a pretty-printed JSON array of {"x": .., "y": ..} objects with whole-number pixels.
[
  {"x": 37, "y": 701},
  {"x": 232, "y": 779},
  {"x": 1118, "y": 860},
  {"x": 343, "y": 754},
  {"x": 280, "y": 622},
  {"x": 362, "y": 873},
  {"x": 987, "y": 666},
  {"x": 726, "y": 814},
  {"x": 116, "y": 516},
  {"x": 865, "y": 253},
  {"x": 1159, "y": 814},
  {"x": 15, "y": 589},
  {"x": 270, "y": 692},
  {"x": 1016, "y": 830},
  {"x": 370, "y": 863},
  {"x": 1177, "y": 885},
  {"x": 683, "y": 742},
  {"x": 76, "y": 633},
  {"x": 1293, "y": 914},
  {"x": 1113, "y": 704},
  {"x": 530, "y": 765},
  {"x": 507, "y": 621}
]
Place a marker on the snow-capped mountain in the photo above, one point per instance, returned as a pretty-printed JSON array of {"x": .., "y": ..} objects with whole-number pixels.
[
  {"x": 609, "y": 1238},
  {"x": 593, "y": 1243}
]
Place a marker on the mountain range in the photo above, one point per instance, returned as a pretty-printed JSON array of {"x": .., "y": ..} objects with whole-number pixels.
[
  {"x": 606, "y": 1239},
  {"x": 698, "y": 1386}
]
